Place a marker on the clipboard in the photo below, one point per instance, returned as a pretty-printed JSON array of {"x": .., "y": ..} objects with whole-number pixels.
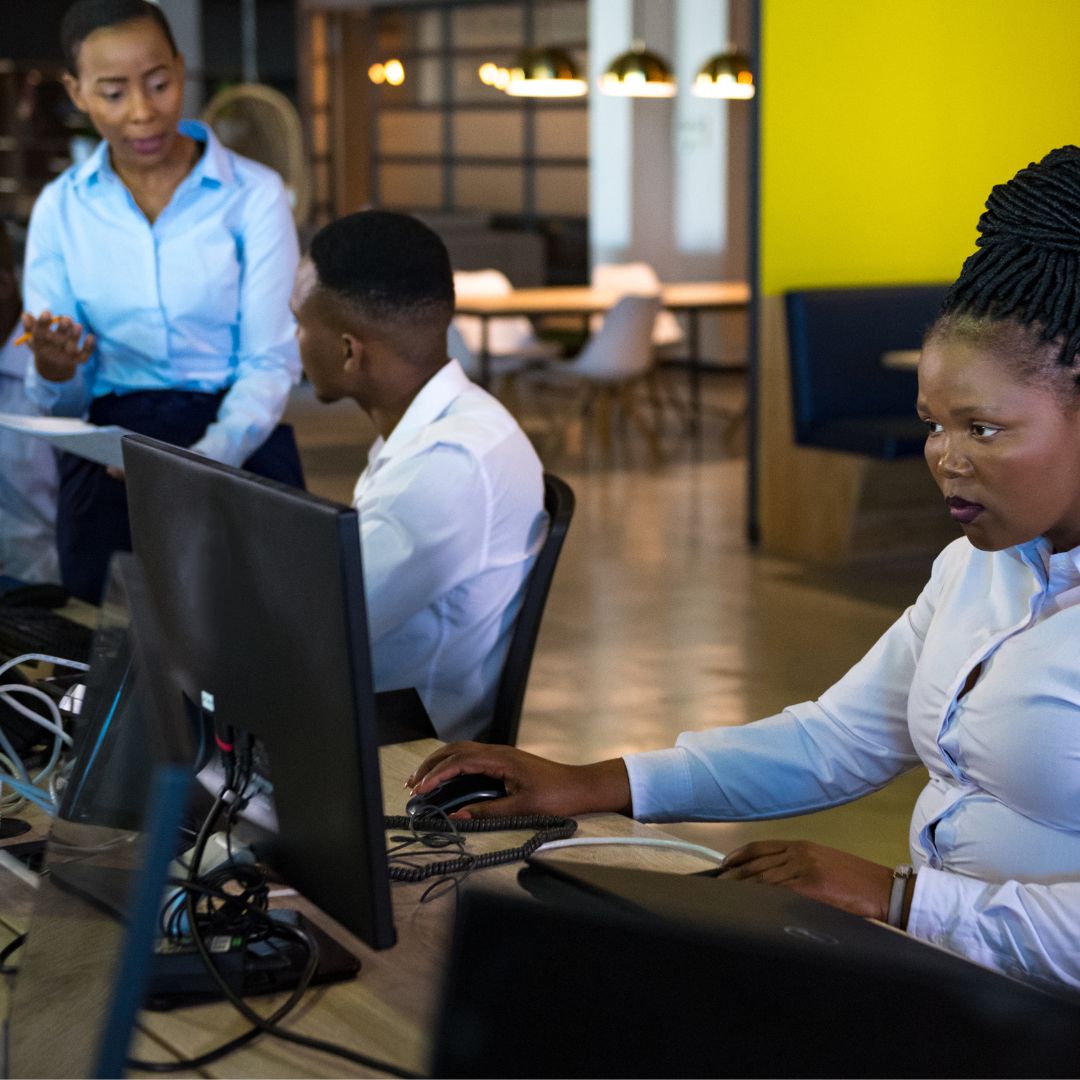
[{"x": 101, "y": 444}]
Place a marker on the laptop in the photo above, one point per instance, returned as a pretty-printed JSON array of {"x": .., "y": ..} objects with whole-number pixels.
[{"x": 614, "y": 972}]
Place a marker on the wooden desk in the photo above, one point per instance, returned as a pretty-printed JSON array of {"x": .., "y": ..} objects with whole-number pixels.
[
  {"x": 901, "y": 359},
  {"x": 690, "y": 297},
  {"x": 389, "y": 1011}
]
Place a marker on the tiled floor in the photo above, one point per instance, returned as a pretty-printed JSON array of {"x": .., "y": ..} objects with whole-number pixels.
[{"x": 660, "y": 618}]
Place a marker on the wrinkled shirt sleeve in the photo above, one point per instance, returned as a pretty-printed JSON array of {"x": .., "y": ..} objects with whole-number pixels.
[
  {"x": 268, "y": 361},
  {"x": 1029, "y": 931},
  {"x": 46, "y": 287},
  {"x": 853, "y": 740}
]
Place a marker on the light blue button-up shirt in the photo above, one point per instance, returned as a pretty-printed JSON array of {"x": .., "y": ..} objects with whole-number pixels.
[
  {"x": 995, "y": 834},
  {"x": 196, "y": 300}
]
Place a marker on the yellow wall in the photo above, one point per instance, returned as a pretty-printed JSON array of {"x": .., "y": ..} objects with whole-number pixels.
[{"x": 886, "y": 122}]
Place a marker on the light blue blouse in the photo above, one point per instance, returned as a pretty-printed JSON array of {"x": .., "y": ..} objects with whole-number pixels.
[
  {"x": 196, "y": 300},
  {"x": 996, "y": 831}
]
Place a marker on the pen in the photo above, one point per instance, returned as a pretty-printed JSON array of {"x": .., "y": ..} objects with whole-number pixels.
[{"x": 22, "y": 339}]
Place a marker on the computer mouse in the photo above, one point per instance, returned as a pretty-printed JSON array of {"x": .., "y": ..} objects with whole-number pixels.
[{"x": 455, "y": 793}]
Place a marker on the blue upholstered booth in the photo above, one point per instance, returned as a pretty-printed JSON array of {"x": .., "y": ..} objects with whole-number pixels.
[{"x": 843, "y": 397}]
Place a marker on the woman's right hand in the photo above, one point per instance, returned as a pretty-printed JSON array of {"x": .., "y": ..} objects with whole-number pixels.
[
  {"x": 534, "y": 785},
  {"x": 55, "y": 344}
]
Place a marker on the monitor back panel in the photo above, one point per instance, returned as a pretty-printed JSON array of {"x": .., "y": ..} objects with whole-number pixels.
[
  {"x": 258, "y": 591},
  {"x": 631, "y": 974}
]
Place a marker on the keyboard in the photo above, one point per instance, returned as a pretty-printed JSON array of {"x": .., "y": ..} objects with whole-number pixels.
[{"x": 42, "y": 630}]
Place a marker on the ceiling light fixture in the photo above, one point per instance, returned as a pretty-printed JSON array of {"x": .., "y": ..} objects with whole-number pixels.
[
  {"x": 545, "y": 73},
  {"x": 493, "y": 75},
  {"x": 726, "y": 75},
  {"x": 638, "y": 73},
  {"x": 391, "y": 72}
]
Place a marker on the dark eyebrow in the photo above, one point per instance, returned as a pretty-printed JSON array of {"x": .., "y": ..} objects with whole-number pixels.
[
  {"x": 969, "y": 410},
  {"x": 123, "y": 78}
]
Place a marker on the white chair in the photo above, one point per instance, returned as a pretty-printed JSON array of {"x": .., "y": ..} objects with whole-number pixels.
[
  {"x": 636, "y": 279},
  {"x": 501, "y": 370},
  {"x": 613, "y": 363},
  {"x": 507, "y": 336}
]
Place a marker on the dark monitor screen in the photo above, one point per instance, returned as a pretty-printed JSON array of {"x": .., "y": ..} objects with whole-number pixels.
[{"x": 257, "y": 590}]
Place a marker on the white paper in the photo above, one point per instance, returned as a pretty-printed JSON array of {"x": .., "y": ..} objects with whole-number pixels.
[{"x": 100, "y": 444}]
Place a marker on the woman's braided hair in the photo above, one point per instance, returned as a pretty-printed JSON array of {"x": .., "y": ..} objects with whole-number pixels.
[{"x": 1026, "y": 269}]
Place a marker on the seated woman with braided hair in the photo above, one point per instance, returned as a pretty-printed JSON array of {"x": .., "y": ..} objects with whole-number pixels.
[{"x": 979, "y": 680}]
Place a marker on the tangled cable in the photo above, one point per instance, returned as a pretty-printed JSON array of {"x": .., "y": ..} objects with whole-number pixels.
[{"x": 425, "y": 829}]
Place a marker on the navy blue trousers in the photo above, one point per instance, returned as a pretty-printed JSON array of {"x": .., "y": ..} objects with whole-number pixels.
[{"x": 92, "y": 510}]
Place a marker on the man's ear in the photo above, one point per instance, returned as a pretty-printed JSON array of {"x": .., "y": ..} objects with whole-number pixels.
[{"x": 352, "y": 354}]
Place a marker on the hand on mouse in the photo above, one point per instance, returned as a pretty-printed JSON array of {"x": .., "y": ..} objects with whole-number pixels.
[
  {"x": 55, "y": 344},
  {"x": 534, "y": 785},
  {"x": 823, "y": 873}
]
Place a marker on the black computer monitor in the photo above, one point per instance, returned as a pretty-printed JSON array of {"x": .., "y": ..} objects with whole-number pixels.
[{"x": 258, "y": 592}]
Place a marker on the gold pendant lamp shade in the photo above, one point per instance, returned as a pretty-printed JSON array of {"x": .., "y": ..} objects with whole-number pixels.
[
  {"x": 545, "y": 73},
  {"x": 726, "y": 75},
  {"x": 638, "y": 73}
]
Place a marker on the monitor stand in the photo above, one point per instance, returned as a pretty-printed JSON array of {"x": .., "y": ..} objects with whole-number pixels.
[{"x": 178, "y": 975}]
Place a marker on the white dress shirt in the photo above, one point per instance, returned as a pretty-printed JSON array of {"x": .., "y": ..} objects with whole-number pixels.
[
  {"x": 995, "y": 833},
  {"x": 451, "y": 518},
  {"x": 197, "y": 300},
  {"x": 27, "y": 481}
]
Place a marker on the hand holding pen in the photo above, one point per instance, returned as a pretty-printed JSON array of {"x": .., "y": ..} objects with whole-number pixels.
[{"x": 55, "y": 341}]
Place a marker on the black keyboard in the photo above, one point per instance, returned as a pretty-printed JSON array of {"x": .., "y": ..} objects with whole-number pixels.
[{"x": 42, "y": 630}]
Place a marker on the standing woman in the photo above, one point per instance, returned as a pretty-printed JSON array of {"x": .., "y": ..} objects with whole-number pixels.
[{"x": 157, "y": 282}]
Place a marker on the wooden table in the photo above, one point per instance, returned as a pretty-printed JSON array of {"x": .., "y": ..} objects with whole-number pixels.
[
  {"x": 689, "y": 297},
  {"x": 389, "y": 1011},
  {"x": 901, "y": 359}
]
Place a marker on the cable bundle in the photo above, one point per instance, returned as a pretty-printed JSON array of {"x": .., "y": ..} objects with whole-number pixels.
[{"x": 39, "y": 789}]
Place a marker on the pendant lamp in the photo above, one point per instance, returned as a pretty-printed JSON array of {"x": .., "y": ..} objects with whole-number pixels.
[
  {"x": 545, "y": 72},
  {"x": 726, "y": 75},
  {"x": 638, "y": 73}
]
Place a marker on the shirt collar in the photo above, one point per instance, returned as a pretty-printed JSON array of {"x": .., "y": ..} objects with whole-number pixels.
[
  {"x": 1039, "y": 554},
  {"x": 432, "y": 400},
  {"x": 214, "y": 165},
  {"x": 1065, "y": 558}
]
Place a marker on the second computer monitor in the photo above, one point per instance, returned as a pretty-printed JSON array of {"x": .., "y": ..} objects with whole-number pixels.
[{"x": 257, "y": 589}]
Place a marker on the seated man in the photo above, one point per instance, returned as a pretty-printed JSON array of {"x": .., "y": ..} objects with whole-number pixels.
[
  {"x": 451, "y": 501},
  {"x": 27, "y": 465}
]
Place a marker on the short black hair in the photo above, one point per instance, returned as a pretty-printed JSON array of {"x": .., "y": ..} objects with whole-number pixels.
[
  {"x": 1026, "y": 268},
  {"x": 85, "y": 16},
  {"x": 389, "y": 266}
]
